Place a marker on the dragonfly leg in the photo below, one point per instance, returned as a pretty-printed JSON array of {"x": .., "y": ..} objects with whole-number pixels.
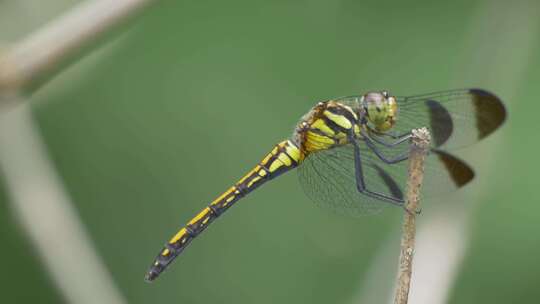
[
  {"x": 391, "y": 135},
  {"x": 370, "y": 141},
  {"x": 361, "y": 185},
  {"x": 399, "y": 139},
  {"x": 393, "y": 160}
]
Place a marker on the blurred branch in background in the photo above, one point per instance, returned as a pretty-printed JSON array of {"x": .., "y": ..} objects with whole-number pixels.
[
  {"x": 38, "y": 198},
  {"x": 31, "y": 61},
  {"x": 419, "y": 147},
  {"x": 42, "y": 207},
  {"x": 444, "y": 230}
]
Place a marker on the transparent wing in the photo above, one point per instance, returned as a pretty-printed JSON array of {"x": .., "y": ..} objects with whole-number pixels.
[
  {"x": 455, "y": 118},
  {"x": 328, "y": 178}
]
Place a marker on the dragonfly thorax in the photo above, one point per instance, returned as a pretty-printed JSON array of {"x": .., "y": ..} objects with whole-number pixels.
[
  {"x": 380, "y": 109},
  {"x": 329, "y": 124}
]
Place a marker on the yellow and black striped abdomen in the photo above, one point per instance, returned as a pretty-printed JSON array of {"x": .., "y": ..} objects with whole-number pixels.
[{"x": 283, "y": 157}]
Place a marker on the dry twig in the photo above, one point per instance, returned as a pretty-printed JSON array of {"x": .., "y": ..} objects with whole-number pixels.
[{"x": 419, "y": 148}]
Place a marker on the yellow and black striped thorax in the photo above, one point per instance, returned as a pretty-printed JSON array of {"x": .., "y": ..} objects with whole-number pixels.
[{"x": 327, "y": 125}]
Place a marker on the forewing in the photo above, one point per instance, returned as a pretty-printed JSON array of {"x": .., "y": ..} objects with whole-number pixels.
[{"x": 455, "y": 118}]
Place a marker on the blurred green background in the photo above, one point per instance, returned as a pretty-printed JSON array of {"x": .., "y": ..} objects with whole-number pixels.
[{"x": 177, "y": 104}]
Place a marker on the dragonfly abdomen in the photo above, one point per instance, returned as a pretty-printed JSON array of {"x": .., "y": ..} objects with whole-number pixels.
[{"x": 283, "y": 157}]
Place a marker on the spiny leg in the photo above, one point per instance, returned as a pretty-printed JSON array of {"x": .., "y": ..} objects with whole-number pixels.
[
  {"x": 397, "y": 159},
  {"x": 392, "y": 160},
  {"x": 399, "y": 139},
  {"x": 370, "y": 142},
  {"x": 360, "y": 183},
  {"x": 391, "y": 135}
]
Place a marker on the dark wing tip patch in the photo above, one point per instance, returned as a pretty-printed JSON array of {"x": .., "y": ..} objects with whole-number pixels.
[
  {"x": 392, "y": 185},
  {"x": 490, "y": 111},
  {"x": 441, "y": 122},
  {"x": 460, "y": 173}
]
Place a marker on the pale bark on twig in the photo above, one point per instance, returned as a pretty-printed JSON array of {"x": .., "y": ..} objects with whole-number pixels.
[{"x": 419, "y": 149}]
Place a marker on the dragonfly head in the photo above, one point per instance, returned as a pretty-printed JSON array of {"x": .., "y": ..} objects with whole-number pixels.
[{"x": 381, "y": 110}]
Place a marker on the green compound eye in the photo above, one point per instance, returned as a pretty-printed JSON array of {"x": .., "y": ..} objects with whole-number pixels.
[{"x": 381, "y": 110}]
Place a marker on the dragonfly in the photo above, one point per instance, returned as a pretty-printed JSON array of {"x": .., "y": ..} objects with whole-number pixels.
[{"x": 351, "y": 154}]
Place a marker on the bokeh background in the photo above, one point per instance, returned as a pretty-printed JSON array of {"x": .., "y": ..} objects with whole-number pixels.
[{"x": 173, "y": 107}]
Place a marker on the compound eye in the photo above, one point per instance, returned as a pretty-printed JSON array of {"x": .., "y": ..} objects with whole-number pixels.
[{"x": 380, "y": 110}]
